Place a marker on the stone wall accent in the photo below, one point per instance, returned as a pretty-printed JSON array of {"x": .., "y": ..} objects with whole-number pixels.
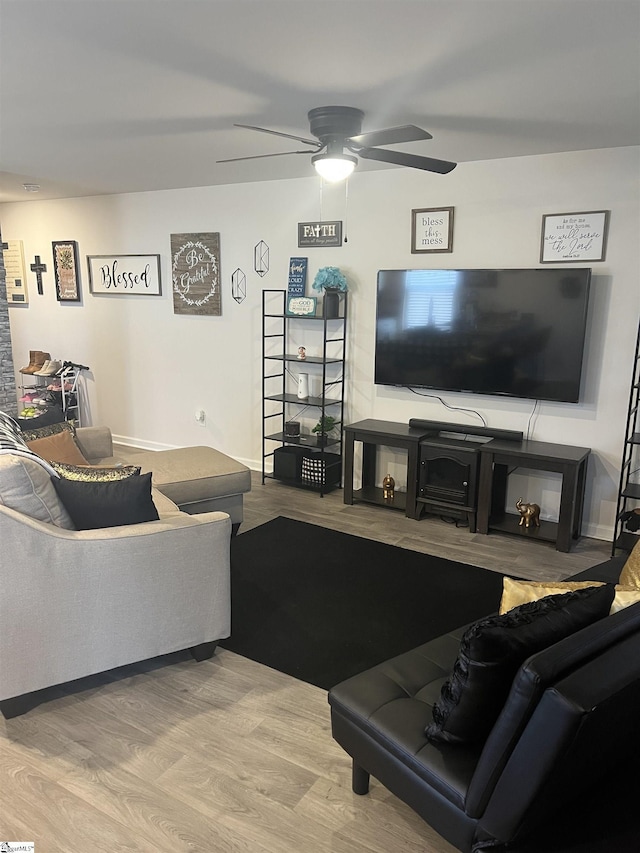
[{"x": 8, "y": 395}]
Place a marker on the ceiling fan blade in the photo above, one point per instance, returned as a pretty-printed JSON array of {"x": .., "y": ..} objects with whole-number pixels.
[
  {"x": 313, "y": 142},
  {"x": 261, "y": 156},
  {"x": 413, "y": 161},
  {"x": 391, "y": 136}
]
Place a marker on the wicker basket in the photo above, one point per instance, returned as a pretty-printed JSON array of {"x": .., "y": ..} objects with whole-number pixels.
[{"x": 321, "y": 470}]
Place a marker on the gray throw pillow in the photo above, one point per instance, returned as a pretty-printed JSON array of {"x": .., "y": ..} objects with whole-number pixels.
[{"x": 26, "y": 487}]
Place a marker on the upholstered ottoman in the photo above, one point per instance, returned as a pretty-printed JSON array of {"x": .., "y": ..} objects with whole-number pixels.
[{"x": 197, "y": 479}]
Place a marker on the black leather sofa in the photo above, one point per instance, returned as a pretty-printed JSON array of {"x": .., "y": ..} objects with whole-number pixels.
[{"x": 569, "y": 725}]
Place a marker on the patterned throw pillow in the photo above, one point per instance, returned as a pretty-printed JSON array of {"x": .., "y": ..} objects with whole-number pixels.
[
  {"x": 95, "y": 473},
  {"x": 46, "y": 431}
]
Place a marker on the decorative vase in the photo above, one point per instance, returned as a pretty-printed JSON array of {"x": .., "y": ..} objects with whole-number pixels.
[{"x": 331, "y": 303}]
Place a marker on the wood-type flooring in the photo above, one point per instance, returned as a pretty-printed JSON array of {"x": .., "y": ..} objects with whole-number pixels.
[{"x": 174, "y": 756}]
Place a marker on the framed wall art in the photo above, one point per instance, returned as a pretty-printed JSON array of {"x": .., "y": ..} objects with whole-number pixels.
[
  {"x": 570, "y": 237},
  {"x": 66, "y": 269},
  {"x": 195, "y": 272},
  {"x": 431, "y": 230},
  {"x": 301, "y": 306},
  {"x": 128, "y": 275},
  {"x": 13, "y": 253}
]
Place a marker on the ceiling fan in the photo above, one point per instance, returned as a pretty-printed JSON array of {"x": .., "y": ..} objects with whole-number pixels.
[{"x": 339, "y": 128}]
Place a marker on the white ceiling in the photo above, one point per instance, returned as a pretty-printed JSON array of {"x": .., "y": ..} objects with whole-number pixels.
[{"x": 112, "y": 96}]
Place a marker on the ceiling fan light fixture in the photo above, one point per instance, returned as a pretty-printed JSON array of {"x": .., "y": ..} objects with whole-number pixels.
[{"x": 334, "y": 167}]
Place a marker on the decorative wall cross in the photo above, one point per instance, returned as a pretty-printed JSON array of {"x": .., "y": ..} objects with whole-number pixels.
[{"x": 38, "y": 268}]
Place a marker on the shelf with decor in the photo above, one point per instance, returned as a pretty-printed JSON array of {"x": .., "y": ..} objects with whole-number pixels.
[
  {"x": 627, "y": 524},
  {"x": 289, "y": 453}
]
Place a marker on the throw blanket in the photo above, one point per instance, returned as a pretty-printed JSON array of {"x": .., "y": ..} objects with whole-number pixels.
[{"x": 11, "y": 441}]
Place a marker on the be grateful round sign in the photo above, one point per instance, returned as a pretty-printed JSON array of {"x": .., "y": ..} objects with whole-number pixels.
[{"x": 195, "y": 273}]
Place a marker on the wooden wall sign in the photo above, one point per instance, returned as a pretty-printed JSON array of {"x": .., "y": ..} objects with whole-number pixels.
[
  {"x": 195, "y": 272},
  {"x": 319, "y": 234}
]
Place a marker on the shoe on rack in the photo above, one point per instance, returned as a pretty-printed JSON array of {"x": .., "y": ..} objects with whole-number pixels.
[
  {"x": 43, "y": 369},
  {"x": 32, "y": 361},
  {"x": 50, "y": 369},
  {"x": 40, "y": 359}
]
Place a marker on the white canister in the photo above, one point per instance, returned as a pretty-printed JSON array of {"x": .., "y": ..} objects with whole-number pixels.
[{"x": 303, "y": 386}]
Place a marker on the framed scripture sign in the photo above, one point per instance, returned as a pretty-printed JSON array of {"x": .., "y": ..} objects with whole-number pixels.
[
  {"x": 570, "y": 237},
  {"x": 432, "y": 230},
  {"x": 297, "y": 276},
  {"x": 67, "y": 270},
  {"x": 13, "y": 253},
  {"x": 137, "y": 275},
  {"x": 301, "y": 306}
]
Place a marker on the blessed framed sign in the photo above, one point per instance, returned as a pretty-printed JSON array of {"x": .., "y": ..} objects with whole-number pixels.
[{"x": 137, "y": 275}]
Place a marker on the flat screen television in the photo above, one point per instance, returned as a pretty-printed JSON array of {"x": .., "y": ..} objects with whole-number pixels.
[{"x": 514, "y": 332}]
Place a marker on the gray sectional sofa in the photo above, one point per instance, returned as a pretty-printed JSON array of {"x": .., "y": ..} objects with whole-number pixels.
[{"x": 78, "y": 602}]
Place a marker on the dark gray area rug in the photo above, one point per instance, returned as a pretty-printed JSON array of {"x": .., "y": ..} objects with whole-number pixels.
[{"x": 322, "y": 605}]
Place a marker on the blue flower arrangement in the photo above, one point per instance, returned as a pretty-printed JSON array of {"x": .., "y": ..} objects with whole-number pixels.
[{"x": 329, "y": 278}]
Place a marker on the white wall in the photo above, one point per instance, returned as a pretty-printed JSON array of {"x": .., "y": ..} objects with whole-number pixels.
[{"x": 151, "y": 369}]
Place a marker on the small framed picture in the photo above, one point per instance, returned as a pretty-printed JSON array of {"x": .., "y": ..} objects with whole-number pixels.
[
  {"x": 301, "y": 306},
  {"x": 67, "y": 270},
  {"x": 568, "y": 238},
  {"x": 431, "y": 230}
]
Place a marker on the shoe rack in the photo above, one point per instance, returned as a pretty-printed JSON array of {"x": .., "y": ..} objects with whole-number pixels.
[{"x": 48, "y": 382}]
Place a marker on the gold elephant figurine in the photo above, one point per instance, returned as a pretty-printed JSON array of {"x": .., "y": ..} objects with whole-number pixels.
[
  {"x": 388, "y": 487},
  {"x": 528, "y": 513}
]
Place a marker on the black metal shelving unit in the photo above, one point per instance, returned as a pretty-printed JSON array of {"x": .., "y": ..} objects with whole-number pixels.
[
  {"x": 629, "y": 490},
  {"x": 280, "y": 401}
]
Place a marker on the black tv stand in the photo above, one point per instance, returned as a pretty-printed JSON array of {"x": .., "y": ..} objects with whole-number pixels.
[
  {"x": 482, "y": 467},
  {"x": 436, "y": 427}
]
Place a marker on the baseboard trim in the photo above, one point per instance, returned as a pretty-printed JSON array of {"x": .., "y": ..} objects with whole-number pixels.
[{"x": 140, "y": 444}]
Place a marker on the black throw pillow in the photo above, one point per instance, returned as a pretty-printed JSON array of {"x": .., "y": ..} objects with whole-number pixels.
[
  {"x": 493, "y": 649},
  {"x": 92, "y": 504}
]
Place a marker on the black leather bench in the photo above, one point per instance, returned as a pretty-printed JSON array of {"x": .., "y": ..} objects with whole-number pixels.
[{"x": 569, "y": 720}]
